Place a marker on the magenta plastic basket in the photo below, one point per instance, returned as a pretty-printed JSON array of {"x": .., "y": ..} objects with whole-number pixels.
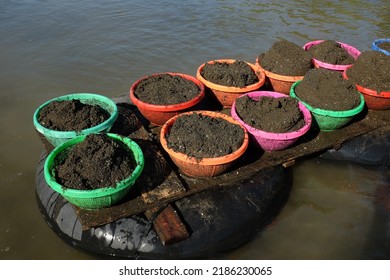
[
  {"x": 270, "y": 141},
  {"x": 336, "y": 67}
]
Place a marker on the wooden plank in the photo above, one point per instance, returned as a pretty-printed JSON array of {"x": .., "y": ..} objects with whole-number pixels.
[
  {"x": 164, "y": 191},
  {"x": 157, "y": 182},
  {"x": 253, "y": 161},
  {"x": 168, "y": 225},
  {"x": 289, "y": 163}
]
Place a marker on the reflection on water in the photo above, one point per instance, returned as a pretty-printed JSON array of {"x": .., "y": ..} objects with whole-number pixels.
[{"x": 50, "y": 48}]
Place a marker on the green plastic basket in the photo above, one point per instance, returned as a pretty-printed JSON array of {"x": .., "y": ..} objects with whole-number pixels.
[
  {"x": 56, "y": 138},
  {"x": 97, "y": 198},
  {"x": 329, "y": 120}
]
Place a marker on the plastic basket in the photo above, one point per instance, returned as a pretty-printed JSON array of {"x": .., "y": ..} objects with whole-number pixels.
[
  {"x": 376, "y": 43},
  {"x": 270, "y": 141},
  {"x": 56, "y": 138},
  {"x": 329, "y": 120},
  {"x": 97, "y": 198}
]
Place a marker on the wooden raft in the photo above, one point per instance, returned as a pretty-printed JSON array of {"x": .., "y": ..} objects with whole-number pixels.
[{"x": 167, "y": 185}]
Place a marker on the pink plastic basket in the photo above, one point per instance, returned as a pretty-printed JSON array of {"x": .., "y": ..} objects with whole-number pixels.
[
  {"x": 270, "y": 141},
  {"x": 336, "y": 67}
]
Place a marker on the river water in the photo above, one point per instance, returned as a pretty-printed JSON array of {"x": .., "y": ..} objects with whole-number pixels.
[{"x": 52, "y": 47}]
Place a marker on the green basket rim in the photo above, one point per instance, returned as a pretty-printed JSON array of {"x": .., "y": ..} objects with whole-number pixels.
[
  {"x": 330, "y": 113},
  {"x": 73, "y": 133},
  {"x": 105, "y": 191}
]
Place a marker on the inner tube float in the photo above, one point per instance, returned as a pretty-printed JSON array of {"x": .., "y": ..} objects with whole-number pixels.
[
  {"x": 219, "y": 219},
  {"x": 370, "y": 149}
]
